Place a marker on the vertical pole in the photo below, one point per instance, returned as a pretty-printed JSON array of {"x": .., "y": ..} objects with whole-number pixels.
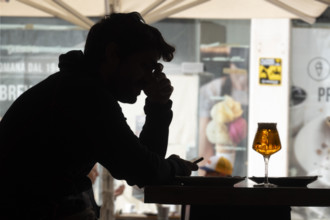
[{"x": 107, "y": 209}]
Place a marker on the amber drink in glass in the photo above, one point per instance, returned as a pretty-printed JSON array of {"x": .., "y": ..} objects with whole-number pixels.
[{"x": 266, "y": 142}]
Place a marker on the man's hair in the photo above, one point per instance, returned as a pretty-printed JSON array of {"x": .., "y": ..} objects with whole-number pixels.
[{"x": 130, "y": 33}]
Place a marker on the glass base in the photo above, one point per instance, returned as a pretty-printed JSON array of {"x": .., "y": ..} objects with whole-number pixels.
[{"x": 265, "y": 185}]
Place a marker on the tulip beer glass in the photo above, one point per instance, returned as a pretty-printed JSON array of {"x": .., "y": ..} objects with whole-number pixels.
[{"x": 266, "y": 142}]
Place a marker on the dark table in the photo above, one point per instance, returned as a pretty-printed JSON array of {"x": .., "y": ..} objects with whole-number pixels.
[
  {"x": 229, "y": 197},
  {"x": 300, "y": 196}
]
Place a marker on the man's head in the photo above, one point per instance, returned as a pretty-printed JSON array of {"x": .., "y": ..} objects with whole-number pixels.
[
  {"x": 120, "y": 39},
  {"x": 129, "y": 32}
]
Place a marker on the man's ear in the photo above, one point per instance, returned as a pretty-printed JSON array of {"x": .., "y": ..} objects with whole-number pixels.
[
  {"x": 111, "y": 61},
  {"x": 111, "y": 54}
]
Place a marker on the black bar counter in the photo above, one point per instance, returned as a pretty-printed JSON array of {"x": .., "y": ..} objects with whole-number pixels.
[
  {"x": 236, "y": 203},
  {"x": 212, "y": 195}
]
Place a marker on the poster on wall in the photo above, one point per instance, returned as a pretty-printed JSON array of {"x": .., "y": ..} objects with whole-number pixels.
[
  {"x": 309, "y": 153},
  {"x": 223, "y": 110},
  {"x": 270, "y": 71}
]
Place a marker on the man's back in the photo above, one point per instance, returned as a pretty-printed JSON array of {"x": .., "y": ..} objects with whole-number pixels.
[{"x": 36, "y": 143}]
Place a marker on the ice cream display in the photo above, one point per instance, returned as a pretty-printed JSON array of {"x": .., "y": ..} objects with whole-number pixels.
[
  {"x": 237, "y": 130},
  {"x": 217, "y": 133},
  {"x": 227, "y": 110},
  {"x": 227, "y": 126}
]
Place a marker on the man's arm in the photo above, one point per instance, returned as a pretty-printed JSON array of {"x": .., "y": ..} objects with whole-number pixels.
[
  {"x": 158, "y": 112},
  {"x": 155, "y": 132}
]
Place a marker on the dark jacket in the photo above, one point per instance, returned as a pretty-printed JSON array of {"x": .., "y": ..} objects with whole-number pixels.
[{"x": 55, "y": 132}]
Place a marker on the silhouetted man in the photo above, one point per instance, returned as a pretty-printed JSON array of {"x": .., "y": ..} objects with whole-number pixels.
[{"x": 55, "y": 132}]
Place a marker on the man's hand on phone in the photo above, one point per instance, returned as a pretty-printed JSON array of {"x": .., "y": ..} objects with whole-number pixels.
[{"x": 183, "y": 167}]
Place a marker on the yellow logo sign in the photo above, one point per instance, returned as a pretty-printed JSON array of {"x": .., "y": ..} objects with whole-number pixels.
[{"x": 270, "y": 71}]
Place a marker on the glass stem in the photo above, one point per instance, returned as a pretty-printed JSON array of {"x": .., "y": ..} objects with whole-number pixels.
[{"x": 266, "y": 158}]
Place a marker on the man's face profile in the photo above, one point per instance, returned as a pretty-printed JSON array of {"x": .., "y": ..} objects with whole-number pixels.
[{"x": 133, "y": 74}]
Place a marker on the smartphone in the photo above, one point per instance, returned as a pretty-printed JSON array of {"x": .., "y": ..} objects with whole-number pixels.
[{"x": 198, "y": 160}]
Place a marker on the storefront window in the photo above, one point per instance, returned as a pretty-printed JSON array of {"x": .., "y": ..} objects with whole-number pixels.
[
  {"x": 223, "y": 99},
  {"x": 29, "y": 50},
  {"x": 309, "y": 152}
]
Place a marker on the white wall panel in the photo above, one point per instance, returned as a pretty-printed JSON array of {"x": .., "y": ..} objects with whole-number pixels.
[{"x": 270, "y": 38}]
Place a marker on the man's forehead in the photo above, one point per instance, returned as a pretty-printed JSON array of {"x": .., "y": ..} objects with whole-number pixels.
[
  {"x": 151, "y": 54},
  {"x": 147, "y": 56}
]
